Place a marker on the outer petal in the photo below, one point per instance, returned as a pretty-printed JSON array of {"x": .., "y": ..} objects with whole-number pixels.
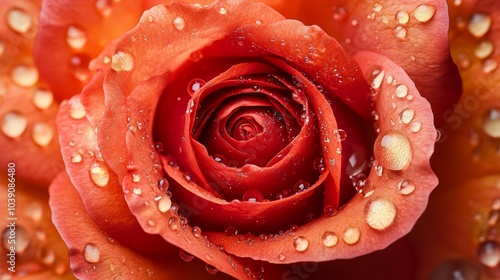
[
  {"x": 400, "y": 181},
  {"x": 94, "y": 255},
  {"x": 39, "y": 251},
  {"x": 413, "y": 34}
]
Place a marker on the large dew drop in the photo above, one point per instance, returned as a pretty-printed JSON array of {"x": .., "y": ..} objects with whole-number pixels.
[
  {"x": 393, "y": 150},
  {"x": 488, "y": 253},
  {"x": 380, "y": 213},
  {"x": 424, "y": 13},
  {"x": 491, "y": 122},
  {"x": 99, "y": 174},
  {"x": 329, "y": 239},
  {"x": 76, "y": 37},
  {"x": 479, "y": 24},
  {"x": 25, "y": 76},
  {"x": 164, "y": 204},
  {"x": 19, "y": 20},
  {"x": 42, "y": 134},
  {"x": 122, "y": 61},
  {"x": 42, "y": 98},
  {"x": 14, "y": 124},
  {"x": 300, "y": 244},
  {"x": 179, "y": 23},
  {"x": 91, "y": 253},
  {"x": 351, "y": 235}
]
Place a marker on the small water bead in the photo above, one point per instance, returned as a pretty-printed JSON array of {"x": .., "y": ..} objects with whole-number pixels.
[
  {"x": 185, "y": 256},
  {"x": 91, "y": 253},
  {"x": 393, "y": 150},
  {"x": 455, "y": 269},
  {"x": 99, "y": 174},
  {"x": 484, "y": 49},
  {"x": 179, "y": 23},
  {"x": 424, "y": 13},
  {"x": 76, "y": 158},
  {"x": 329, "y": 239},
  {"x": 402, "y": 17},
  {"x": 400, "y": 32},
  {"x": 491, "y": 122},
  {"x": 172, "y": 223},
  {"x": 341, "y": 134},
  {"x": 164, "y": 204},
  {"x": 300, "y": 243},
  {"x": 407, "y": 116},
  {"x": 196, "y": 231},
  {"x": 76, "y": 37},
  {"x": 380, "y": 213},
  {"x": 281, "y": 257},
  {"x": 222, "y": 11},
  {"x": 406, "y": 187},
  {"x": 377, "y": 7},
  {"x": 351, "y": 235},
  {"x": 104, "y": 7},
  {"x": 378, "y": 79},
  {"x": 415, "y": 126},
  {"x": 150, "y": 19},
  {"x": 253, "y": 196},
  {"x": 489, "y": 65},
  {"x": 339, "y": 13},
  {"x": 137, "y": 191},
  {"x": 42, "y": 98},
  {"x": 301, "y": 186},
  {"x": 211, "y": 269},
  {"x": 488, "y": 253},
  {"x": 401, "y": 91},
  {"x": 122, "y": 61},
  {"x": 14, "y": 124},
  {"x": 42, "y": 134},
  {"x": 194, "y": 86},
  {"x": 231, "y": 231},
  {"x": 19, "y": 20},
  {"x": 479, "y": 24},
  {"x": 25, "y": 76},
  {"x": 136, "y": 178}
]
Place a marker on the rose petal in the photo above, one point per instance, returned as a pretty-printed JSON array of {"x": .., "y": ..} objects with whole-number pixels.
[
  {"x": 28, "y": 133},
  {"x": 401, "y": 180},
  {"x": 94, "y": 254},
  {"x": 39, "y": 251},
  {"x": 99, "y": 186},
  {"x": 401, "y": 31}
]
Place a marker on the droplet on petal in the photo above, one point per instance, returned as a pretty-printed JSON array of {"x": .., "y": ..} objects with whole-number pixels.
[
  {"x": 76, "y": 37},
  {"x": 329, "y": 239},
  {"x": 402, "y": 17},
  {"x": 491, "y": 122},
  {"x": 76, "y": 110},
  {"x": 122, "y": 61},
  {"x": 211, "y": 269},
  {"x": 424, "y": 13},
  {"x": 252, "y": 196},
  {"x": 25, "y": 76},
  {"x": 393, "y": 150},
  {"x": 484, "y": 49},
  {"x": 300, "y": 243},
  {"x": 488, "y": 253},
  {"x": 415, "y": 126},
  {"x": 99, "y": 174},
  {"x": 479, "y": 24},
  {"x": 164, "y": 204},
  {"x": 179, "y": 23},
  {"x": 400, "y": 32},
  {"x": 489, "y": 65},
  {"x": 19, "y": 20},
  {"x": 104, "y": 7},
  {"x": 401, "y": 91},
  {"x": 380, "y": 213},
  {"x": 406, "y": 187},
  {"x": 407, "y": 116},
  {"x": 76, "y": 158},
  {"x": 42, "y": 134},
  {"x": 185, "y": 256},
  {"x": 42, "y": 98},
  {"x": 222, "y": 11},
  {"x": 14, "y": 124},
  {"x": 91, "y": 253},
  {"x": 351, "y": 235}
]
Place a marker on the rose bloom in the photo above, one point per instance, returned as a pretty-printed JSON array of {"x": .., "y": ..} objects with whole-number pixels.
[{"x": 238, "y": 139}]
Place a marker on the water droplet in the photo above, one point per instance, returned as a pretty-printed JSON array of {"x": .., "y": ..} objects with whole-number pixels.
[
  {"x": 104, "y": 7},
  {"x": 300, "y": 186},
  {"x": 424, "y": 13},
  {"x": 122, "y": 61},
  {"x": 400, "y": 32},
  {"x": 179, "y": 23},
  {"x": 351, "y": 235},
  {"x": 479, "y": 24},
  {"x": 341, "y": 134},
  {"x": 455, "y": 269},
  {"x": 76, "y": 158},
  {"x": 281, "y": 257},
  {"x": 25, "y": 76},
  {"x": 491, "y": 122},
  {"x": 253, "y": 196},
  {"x": 329, "y": 239},
  {"x": 42, "y": 134},
  {"x": 407, "y": 116},
  {"x": 185, "y": 256},
  {"x": 76, "y": 37},
  {"x": 488, "y": 253},
  {"x": 194, "y": 86},
  {"x": 231, "y": 231},
  {"x": 14, "y": 124},
  {"x": 172, "y": 223},
  {"x": 484, "y": 49},
  {"x": 222, "y": 11},
  {"x": 401, "y": 91},
  {"x": 137, "y": 191},
  {"x": 377, "y": 81},
  {"x": 377, "y": 7},
  {"x": 42, "y": 98},
  {"x": 406, "y": 187},
  {"x": 300, "y": 243},
  {"x": 339, "y": 13},
  {"x": 393, "y": 150},
  {"x": 196, "y": 231},
  {"x": 19, "y": 20},
  {"x": 91, "y": 253},
  {"x": 415, "y": 126},
  {"x": 150, "y": 19},
  {"x": 99, "y": 174},
  {"x": 164, "y": 204},
  {"x": 489, "y": 65},
  {"x": 402, "y": 17},
  {"x": 380, "y": 213},
  {"x": 211, "y": 269},
  {"x": 136, "y": 178}
]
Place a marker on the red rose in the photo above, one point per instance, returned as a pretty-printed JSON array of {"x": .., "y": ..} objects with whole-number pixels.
[{"x": 236, "y": 135}]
